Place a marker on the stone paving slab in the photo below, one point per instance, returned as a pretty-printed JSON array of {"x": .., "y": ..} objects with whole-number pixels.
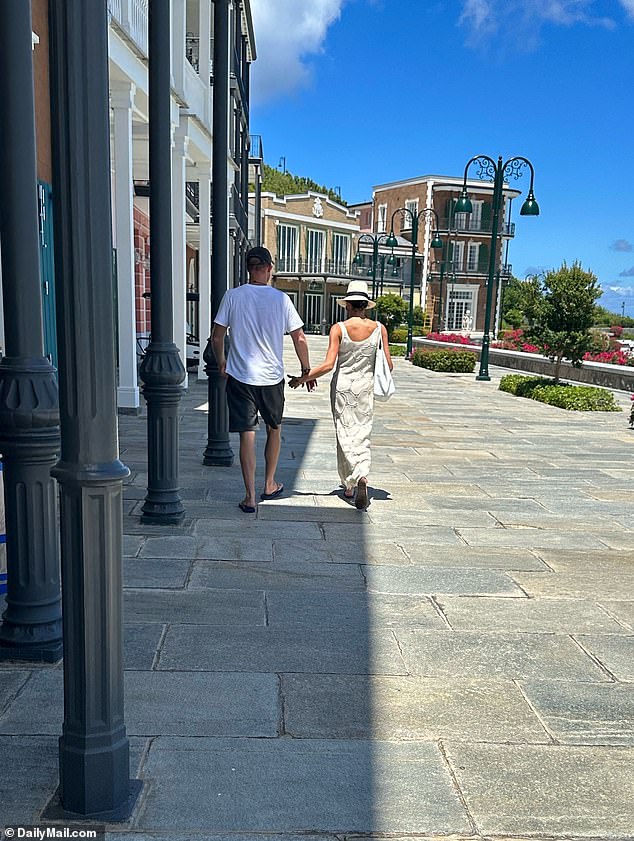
[
  {"x": 533, "y": 538},
  {"x": 427, "y": 535},
  {"x": 574, "y": 561},
  {"x": 11, "y": 682},
  {"x": 546, "y": 790},
  {"x": 584, "y": 713},
  {"x": 281, "y": 575},
  {"x": 589, "y": 584},
  {"x": 451, "y": 517},
  {"x": 471, "y": 557},
  {"x": 351, "y": 650},
  {"x": 614, "y": 652},
  {"x": 407, "y": 708},
  {"x": 332, "y": 610},
  {"x": 164, "y": 573},
  {"x": 211, "y": 607},
  {"x": 558, "y": 616},
  {"x": 622, "y": 610},
  {"x": 479, "y": 655},
  {"x": 141, "y": 641},
  {"x": 339, "y": 552},
  {"x": 251, "y": 526},
  {"x": 420, "y": 580},
  {"x": 251, "y": 785},
  {"x": 183, "y": 704}
]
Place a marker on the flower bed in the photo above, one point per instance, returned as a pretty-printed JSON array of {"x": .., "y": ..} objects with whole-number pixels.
[
  {"x": 454, "y": 338},
  {"x": 452, "y": 360},
  {"x": 610, "y": 357},
  {"x": 579, "y": 398}
]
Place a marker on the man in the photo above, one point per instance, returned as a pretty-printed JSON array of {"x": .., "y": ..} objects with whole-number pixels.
[{"x": 258, "y": 316}]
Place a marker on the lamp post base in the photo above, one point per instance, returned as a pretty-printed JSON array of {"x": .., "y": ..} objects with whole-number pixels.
[{"x": 483, "y": 377}]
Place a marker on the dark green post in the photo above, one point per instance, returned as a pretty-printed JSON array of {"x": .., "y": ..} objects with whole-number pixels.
[
  {"x": 412, "y": 277},
  {"x": 440, "y": 301},
  {"x": 498, "y": 183}
]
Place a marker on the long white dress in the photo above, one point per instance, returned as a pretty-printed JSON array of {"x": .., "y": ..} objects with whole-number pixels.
[{"x": 352, "y": 402}]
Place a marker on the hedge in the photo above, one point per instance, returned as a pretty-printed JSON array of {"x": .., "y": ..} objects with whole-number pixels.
[
  {"x": 398, "y": 350},
  {"x": 399, "y": 334},
  {"x": 579, "y": 398},
  {"x": 450, "y": 360}
]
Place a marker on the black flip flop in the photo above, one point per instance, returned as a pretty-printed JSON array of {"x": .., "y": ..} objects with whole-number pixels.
[
  {"x": 274, "y": 494},
  {"x": 247, "y": 509}
]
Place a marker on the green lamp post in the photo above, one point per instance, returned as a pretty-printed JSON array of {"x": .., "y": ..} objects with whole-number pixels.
[
  {"x": 436, "y": 242},
  {"x": 375, "y": 241},
  {"x": 488, "y": 168}
]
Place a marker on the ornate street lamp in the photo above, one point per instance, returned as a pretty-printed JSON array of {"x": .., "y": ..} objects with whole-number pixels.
[
  {"x": 375, "y": 241},
  {"x": 436, "y": 242},
  {"x": 488, "y": 168}
]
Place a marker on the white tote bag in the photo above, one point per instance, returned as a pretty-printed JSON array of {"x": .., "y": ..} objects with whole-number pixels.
[{"x": 383, "y": 380}]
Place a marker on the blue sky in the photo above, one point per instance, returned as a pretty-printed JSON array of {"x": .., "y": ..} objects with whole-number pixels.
[{"x": 355, "y": 93}]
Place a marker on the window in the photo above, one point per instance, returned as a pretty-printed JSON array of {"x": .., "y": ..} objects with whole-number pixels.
[
  {"x": 312, "y": 310},
  {"x": 461, "y": 304},
  {"x": 412, "y": 206},
  {"x": 381, "y": 222},
  {"x": 340, "y": 253},
  {"x": 473, "y": 252},
  {"x": 286, "y": 248},
  {"x": 457, "y": 255},
  {"x": 461, "y": 221},
  {"x": 315, "y": 250},
  {"x": 336, "y": 312},
  {"x": 475, "y": 220}
]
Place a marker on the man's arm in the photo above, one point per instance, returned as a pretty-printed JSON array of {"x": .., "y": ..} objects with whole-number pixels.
[
  {"x": 301, "y": 349},
  {"x": 218, "y": 346}
]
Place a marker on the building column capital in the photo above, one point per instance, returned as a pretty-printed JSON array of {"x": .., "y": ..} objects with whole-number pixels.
[{"x": 122, "y": 94}]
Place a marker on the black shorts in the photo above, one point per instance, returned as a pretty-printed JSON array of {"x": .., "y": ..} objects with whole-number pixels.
[{"x": 245, "y": 401}]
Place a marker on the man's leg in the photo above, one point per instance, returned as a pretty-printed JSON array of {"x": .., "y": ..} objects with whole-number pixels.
[
  {"x": 271, "y": 457},
  {"x": 247, "y": 463}
]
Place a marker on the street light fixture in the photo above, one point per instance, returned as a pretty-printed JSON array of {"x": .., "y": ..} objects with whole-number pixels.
[
  {"x": 375, "y": 241},
  {"x": 488, "y": 168},
  {"x": 436, "y": 242}
]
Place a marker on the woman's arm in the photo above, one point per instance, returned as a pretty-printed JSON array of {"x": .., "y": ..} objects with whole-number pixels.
[
  {"x": 386, "y": 348},
  {"x": 327, "y": 365}
]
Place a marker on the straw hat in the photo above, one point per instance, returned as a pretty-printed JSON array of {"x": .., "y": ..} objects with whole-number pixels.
[{"x": 357, "y": 291}]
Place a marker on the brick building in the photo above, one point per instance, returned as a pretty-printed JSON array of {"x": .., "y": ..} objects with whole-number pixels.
[{"x": 451, "y": 281}]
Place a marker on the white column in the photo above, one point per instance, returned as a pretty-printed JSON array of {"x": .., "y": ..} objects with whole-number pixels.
[
  {"x": 204, "y": 270},
  {"x": 179, "y": 279},
  {"x": 204, "y": 43},
  {"x": 122, "y": 101},
  {"x": 179, "y": 32}
]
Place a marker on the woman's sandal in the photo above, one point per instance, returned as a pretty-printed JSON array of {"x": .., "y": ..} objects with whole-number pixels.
[{"x": 361, "y": 501}]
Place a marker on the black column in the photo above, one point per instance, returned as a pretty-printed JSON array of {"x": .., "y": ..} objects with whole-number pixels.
[
  {"x": 94, "y": 750},
  {"x": 29, "y": 415},
  {"x": 162, "y": 370},
  {"x": 218, "y": 452}
]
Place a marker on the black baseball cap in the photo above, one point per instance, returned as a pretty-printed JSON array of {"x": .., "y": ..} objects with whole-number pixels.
[{"x": 259, "y": 255}]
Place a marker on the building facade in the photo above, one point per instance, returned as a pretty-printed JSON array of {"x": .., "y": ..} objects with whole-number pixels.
[
  {"x": 450, "y": 283},
  {"x": 313, "y": 242}
]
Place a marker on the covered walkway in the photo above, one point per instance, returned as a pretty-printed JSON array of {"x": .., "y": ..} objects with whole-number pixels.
[{"x": 457, "y": 660}]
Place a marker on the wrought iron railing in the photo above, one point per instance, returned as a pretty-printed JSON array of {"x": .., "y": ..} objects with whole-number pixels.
[
  {"x": 255, "y": 144},
  {"x": 316, "y": 265},
  {"x": 450, "y": 223}
]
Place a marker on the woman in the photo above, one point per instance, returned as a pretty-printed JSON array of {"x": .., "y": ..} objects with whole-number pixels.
[{"x": 352, "y": 347}]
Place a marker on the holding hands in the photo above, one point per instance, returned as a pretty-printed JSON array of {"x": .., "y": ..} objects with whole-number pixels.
[{"x": 304, "y": 379}]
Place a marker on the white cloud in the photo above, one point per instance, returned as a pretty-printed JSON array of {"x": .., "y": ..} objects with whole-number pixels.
[
  {"x": 287, "y": 33},
  {"x": 628, "y": 5},
  {"x": 622, "y": 290},
  {"x": 524, "y": 19}
]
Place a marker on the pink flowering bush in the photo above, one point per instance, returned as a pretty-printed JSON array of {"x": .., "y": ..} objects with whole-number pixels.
[
  {"x": 611, "y": 357},
  {"x": 617, "y": 331},
  {"x": 454, "y": 338}
]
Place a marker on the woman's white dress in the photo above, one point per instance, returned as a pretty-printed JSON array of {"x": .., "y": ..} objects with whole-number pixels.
[{"x": 352, "y": 402}]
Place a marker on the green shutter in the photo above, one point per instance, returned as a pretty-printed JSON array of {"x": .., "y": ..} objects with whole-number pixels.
[
  {"x": 486, "y": 216},
  {"x": 483, "y": 258}
]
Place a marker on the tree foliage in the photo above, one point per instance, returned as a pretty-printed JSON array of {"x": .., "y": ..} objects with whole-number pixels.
[
  {"x": 391, "y": 310},
  {"x": 560, "y": 312},
  {"x": 287, "y": 184}
]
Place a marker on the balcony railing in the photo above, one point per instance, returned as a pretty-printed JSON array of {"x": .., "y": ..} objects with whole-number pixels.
[
  {"x": 476, "y": 226},
  {"x": 131, "y": 16},
  {"x": 255, "y": 144},
  {"x": 303, "y": 265}
]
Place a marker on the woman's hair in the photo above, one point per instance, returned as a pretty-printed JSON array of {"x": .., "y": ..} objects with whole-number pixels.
[{"x": 358, "y": 305}]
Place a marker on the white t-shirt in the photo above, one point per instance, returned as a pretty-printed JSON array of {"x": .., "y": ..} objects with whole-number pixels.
[{"x": 257, "y": 317}]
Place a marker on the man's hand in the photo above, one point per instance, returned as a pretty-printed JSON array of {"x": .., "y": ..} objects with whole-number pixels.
[
  {"x": 311, "y": 385},
  {"x": 222, "y": 370}
]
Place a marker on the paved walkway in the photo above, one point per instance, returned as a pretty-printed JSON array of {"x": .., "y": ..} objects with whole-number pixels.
[{"x": 458, "y": 660}]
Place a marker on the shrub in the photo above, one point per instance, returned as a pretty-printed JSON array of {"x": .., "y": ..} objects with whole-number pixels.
[
  {"x": 616, "y": 330},
  {"x": 453, "y": 361},
  {"x": 398, "y": 350},
  {"x": 454, "y": 338},
  {"x": 399, "y": 334},
  {"x": 612, "y": 357},
  {"x": 579, "y": 398}
]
